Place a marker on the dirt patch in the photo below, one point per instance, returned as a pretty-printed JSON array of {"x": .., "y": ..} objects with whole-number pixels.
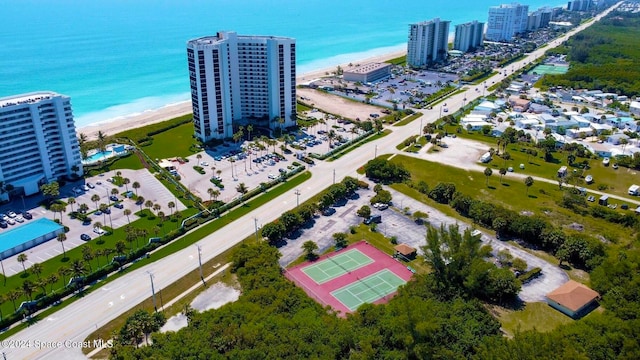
[{"x": 337, "y": 105}]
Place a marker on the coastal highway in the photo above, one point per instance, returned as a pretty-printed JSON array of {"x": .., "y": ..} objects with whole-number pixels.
[{"x": 60, "y": 335}]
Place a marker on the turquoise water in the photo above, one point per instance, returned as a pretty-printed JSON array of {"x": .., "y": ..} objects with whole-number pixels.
[
  {"x": 100, "y": 155},
  {"x": 118, "y": 57},
  {"x": 27, "y": 231}
]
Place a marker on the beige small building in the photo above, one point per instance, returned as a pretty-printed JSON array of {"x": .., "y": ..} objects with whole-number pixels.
[
  {"x": 407, "y": 252},
  {"x": 367, "y": 73},
  {"x": 519, "y": 105},
  {"x": 573, "y": 299}
]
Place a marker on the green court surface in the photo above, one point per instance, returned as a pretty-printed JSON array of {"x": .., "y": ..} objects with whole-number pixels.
[
  {"x": 549, "y": 69},
  {"x": 336, "y": 266},
  {"x": 369, "y": 289}
]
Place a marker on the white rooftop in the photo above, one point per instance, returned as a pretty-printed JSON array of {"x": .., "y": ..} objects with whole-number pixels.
[{"x": 27, "y": 98}]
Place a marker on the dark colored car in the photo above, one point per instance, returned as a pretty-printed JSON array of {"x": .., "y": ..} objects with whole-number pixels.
[
  {"x": 375, "y": 218},
  {"x": 27, "y": 215},
  {"x": 119, "y": 205},
  {"x": 85, "y": 237},
  {"x": 3, "y": 224},
  {"x": 107, "y": 211},
  {"x": 113, "y": 198}
]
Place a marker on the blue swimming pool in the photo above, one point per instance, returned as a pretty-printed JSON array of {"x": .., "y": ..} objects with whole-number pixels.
[
  {"x": 100, "y": 155},
  {"x": 30, "y": 230}
]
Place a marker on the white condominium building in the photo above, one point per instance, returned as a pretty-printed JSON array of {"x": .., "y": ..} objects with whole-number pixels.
[
  {"x": 428, "y": 42},
  {"x": 505, "y": 21},
  {"x": 468, "y": 36},
  {"x": 38, "y": 141},
  {"x": 241, "y": 80}
]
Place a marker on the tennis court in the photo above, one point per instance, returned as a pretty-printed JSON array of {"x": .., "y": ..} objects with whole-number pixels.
[
  {"x": 369, "y": 289},
  {"x": 550, "y": 69},
  {"x": 337, "y": 266}
]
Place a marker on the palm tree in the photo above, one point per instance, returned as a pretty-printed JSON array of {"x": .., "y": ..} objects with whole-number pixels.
[
  {"x": 83, "y": 208},
  {"x": 51, "y": 280},
  {"x": 71, "y": 201},
  {"x": 120, "y": 247},
  {"x": 95, "y": 198},
  {"x": 214, "y": 194},
  {"x": 14, "y": 295},
  {"x": 126, "y": 182},
  {"x": 64, "y": 271},
  {"x": 88, "y": 255},
  {"x": 22, "y": 258},
  {"x": 98, "y": 253},
  {"x": 140, "y": 201},
  {"x": 242, "y": 189},
  {"x": 487, "y": 173},
  {"x": 61, "y": 238},
  {"x": 131, "y": 235},
  {"x": 148, "y": 204},
  {"x": 503, "y": 171},
  {"x": 210, "y": 191},
  {"x": 102, "y": 139},
  {"x": 177, "y": 216},
  {"x": 78, "y": 270},
  {"x": 27, "y": 288},
  {"x": 103, "y": 208},
  {"x": 331, "y": 135},
  {"x": 98, "y": 225},
  {"x": 199, "y": 156},
  {"x": 249, "y": 130},
  {"x": 126, "y": 213},
  {"x": 114, "y": 192},
  {"x": 82, "y": 141},
  {"x": 156, "y": 207},
  {"x": 136, "y": 186},
  {"x": 36, "y": 269},
  {"x": 528, "y": 182},
  {"x": 171, "y": 205},
  {"x": 142, "y": 233}
]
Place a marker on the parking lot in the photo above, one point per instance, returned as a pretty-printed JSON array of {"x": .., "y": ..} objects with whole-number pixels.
[
  {"x": 150, "y": 188},
  {"x": 406, "y": 230},
  {"x": 232, "y": 165}
]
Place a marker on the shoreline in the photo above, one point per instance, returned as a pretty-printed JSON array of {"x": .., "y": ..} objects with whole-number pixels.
[{"x": 170, "y": 111}]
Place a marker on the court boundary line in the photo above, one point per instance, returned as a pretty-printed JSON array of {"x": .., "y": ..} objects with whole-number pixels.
[
  {"x": 379, "y": 293},
  {"x": 331, "y": 260}
]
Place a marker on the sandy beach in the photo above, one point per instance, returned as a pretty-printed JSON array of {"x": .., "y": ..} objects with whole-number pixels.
[{"x": 171, "y": 111}]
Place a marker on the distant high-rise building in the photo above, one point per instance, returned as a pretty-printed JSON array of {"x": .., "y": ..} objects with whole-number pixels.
[
  {"x": 38, "y": 141},
  {"x": 505, "y": 21},
  {"x": 580, "y": 5},
  {"x": 468, "y": 36},
  {"x": 241, "y": 80},
  {"x": 428, "y": 42},
  {"x": 539, "y": 18}
]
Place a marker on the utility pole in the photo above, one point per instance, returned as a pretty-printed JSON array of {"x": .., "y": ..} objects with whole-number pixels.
[
  {"x": 298, "y": 197},
  {"x": 375, "y": 152},
  {"x": 334, "y": 175},
  {"x": 153, "y": 292},
  {"x": 255, "y": 222},
  {"x": 200, "y": 264}
]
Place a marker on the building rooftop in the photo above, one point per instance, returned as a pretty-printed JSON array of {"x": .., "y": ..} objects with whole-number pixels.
[
  {"x": 404, "y": 249},
  {"x": 573, "y": 295},
  {"x": 27, "y": 98},
  {"x": 366, "y": 68},
  {"x": 223, "y": 35}
]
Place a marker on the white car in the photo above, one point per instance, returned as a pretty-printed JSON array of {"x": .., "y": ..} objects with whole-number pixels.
[
  {"x": 19, "y": 219},
  {"x": 588, "y": 179},
  {"x": 98, "y": 230},
  {"x": 85, "y": 188},
  {"x": 11, "y": 221},
  {"x": 204, "y": 163},
  {"x": 11, "y": 214},
  {"x": 605, "y": 161},
  {"x": 271, "y": 176}
]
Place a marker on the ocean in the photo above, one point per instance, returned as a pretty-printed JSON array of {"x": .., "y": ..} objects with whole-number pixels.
[{"x": 115, "y": 58}]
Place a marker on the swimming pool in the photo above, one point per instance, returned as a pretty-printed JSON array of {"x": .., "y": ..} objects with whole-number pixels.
[{"x": 111, "y": 150}]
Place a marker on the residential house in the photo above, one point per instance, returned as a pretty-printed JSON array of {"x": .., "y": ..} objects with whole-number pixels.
[
  {"x": 518, "y": 104},
  {"x": 573, "y": 299},
  {"x": 599, "y": 128},
  {"x": 616, "y": 139}
]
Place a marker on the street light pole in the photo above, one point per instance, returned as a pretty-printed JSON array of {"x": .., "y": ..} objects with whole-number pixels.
[
  {"x": 255, "y": 222},
  {"x": 375, "y": 152},
  {"x": 334, "y": 176},
  {"x": 200, "y": 264},
  {"x": 297, "y": 197},
  {"x": 420, "y": 130},
  {"x": 153, "y": 292}
]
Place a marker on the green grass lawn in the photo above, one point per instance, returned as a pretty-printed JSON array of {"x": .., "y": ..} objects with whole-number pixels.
[
  {"x": 141, "y": 132},
  {"x": 511, "y": 193},
  {"x": 617, "y": 181},
  {"x": 537, "y": 316},
  {"x": 351, "y": 148},
  {"x": 408, "y": 119},
  {"x": 178, "y": 141}
]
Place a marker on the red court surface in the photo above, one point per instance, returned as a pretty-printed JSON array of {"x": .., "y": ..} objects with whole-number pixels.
[{"x": 322, "y": 292}]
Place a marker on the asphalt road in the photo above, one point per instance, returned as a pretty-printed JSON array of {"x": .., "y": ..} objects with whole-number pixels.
[{"x": 66, "y": 329}]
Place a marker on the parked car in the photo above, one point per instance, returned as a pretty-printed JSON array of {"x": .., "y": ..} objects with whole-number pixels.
[
  {"x": 19, "y": 219},
  {"x": 98, "y": 231},
  {"x": 119, "y": 206},
  {"x": 374, "y": 218},
  {"x": 91, "y": 186},
  {"x": 383, "y": 207},
  {"x": 591, "y": 198},
  {"x": 85, "y": 188},
  {"x": 85, "y": 237},
  {"x": 3, "y": 224},
  {"x": 113, "y": 198},
  {"x": 11, "y": 221},
  {"x": 27, "y": 215},
  {"x": 98, "y": 212},
  {"x": 271, "y": 176},
  {"x": 107, "y": 211},
  {"x": 11, "y": 214}
]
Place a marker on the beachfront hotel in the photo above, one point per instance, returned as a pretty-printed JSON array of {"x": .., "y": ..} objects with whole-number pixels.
[
  {"x": 38, "y": 142},
  {"x": 240, "y": 80},
  {"x": 468, "y": 36},
  {"x": 428, "y": 42},
  {"x": 506, "y": 20}
]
